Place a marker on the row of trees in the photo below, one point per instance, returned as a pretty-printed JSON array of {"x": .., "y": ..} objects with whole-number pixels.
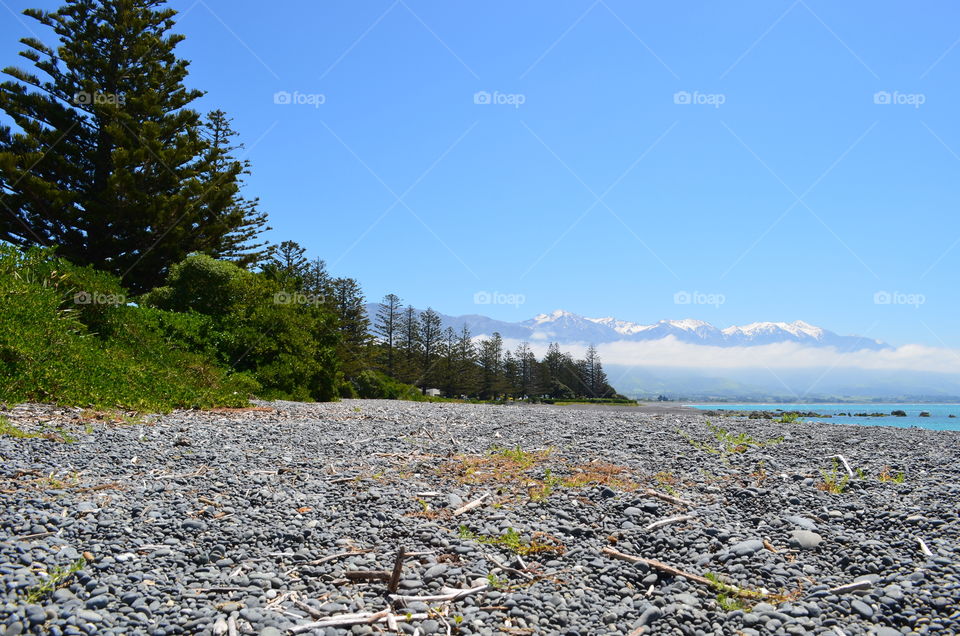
[{"x": 415, "y": 348}]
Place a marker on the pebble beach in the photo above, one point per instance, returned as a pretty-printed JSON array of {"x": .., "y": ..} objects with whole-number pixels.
[{"x": 370, "y": 516}]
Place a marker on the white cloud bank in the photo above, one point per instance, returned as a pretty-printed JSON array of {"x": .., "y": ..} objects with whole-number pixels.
[{"x": 669, "y": 352}]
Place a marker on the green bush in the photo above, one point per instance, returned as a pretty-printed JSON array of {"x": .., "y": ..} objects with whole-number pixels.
[
  {"x": 373, "y": 384},
  {"x": 254, "y": 327},
  {"x": 56, "y": 347}
]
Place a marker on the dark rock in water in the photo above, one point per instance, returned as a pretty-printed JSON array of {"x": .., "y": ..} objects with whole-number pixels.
[
  {"x": 924, "y": 413},
  {"x": 898, "y": 413}
]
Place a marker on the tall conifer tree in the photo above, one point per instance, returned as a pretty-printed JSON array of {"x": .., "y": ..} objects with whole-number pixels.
[{"x": 106, "y": 159}]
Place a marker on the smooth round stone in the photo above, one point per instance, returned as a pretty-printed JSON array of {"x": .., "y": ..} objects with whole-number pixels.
[
  {"x": 747, "y": 548},
  {"x": 805, "y": 539},
  {"x": 862, "y": 608}
]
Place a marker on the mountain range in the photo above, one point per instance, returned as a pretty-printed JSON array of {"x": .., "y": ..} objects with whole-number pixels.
[
  {"x": 565, "y": 327},
  {"x": 694, "y": 360}
]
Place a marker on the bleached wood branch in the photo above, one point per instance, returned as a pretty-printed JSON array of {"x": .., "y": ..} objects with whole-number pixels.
[
  {"x": 668, "y": 521},
  {"x": 665, "y": 497},
  {"x": 470, "y": 506},
  {"x": 363, "y": 618},
  {"x": 851, "y": 587},
  {"x": 657, "y": 565},
  {"x": 438, "y": 598},
  {"x": 845, "y": 464}
]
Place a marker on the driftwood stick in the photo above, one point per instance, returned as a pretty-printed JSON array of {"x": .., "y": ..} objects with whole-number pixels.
[
  {"x": 306, "y": 608},
  {"x": 437, "y": 598},
  {"x": 668, "y": 521},
  {"x": 397, "y": 571},
  {"x": 470, "y": 506},
  {"x": 657, "y": 565},
  {"x": 851, "y": 587},
  {"x": 845, "y": 464},
  {"x": 368, "y": 575},
  {"x": 674, "y": 500},
  {"x": 366, "y": 618},
  {"x": 39, "y": 535},
  {"x": 507, "y": 568},
  {"x": 338, "y": 555},
  {"x": 344, "y": 480}
]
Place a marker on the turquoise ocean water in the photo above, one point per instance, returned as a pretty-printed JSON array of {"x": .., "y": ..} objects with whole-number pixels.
[{"x": 939, "y": 419}]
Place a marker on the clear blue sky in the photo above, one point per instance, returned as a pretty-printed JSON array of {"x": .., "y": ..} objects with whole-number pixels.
[{"x": 797, "y": 197}]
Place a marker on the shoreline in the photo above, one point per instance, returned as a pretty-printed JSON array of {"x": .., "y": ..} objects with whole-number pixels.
[{"x": 259, "y": 517}]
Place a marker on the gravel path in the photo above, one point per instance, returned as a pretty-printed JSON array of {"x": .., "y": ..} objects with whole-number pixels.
[{"x": 255, "y": 522}]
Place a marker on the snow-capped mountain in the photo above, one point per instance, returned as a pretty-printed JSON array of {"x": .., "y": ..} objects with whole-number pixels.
[{"x": 565, "y": 327}]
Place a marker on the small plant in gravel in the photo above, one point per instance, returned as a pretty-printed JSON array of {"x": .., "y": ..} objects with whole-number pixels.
[
  {"x": 56, "y": 435},
  {"x": 9, "y": 430},
  {"x": 666, "y": 481},
  {"x": 788, "y": 418},
  {"x": 728, "y": 442},
  {"x": 496, "y": 582},
  {"x": 523, "y": 459},
  {"x": 834, "y": 481},
  {"x": 759, "y": 474},
  {"x": 887, "y": 476},
  {"x": 56, "y": 579},
  {"x": 731, "y": 597},
  {"x": 512, "y": 541},
  {"x": 543, "y": 490},
  {"x": 601, "y": 474},
  {"x": 729, "y": 603}
]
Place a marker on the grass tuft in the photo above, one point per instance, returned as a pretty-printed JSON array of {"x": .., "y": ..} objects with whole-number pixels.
[
  {"x": 56, "y": 579},
  {"x": 835, "y": 481},
  {"x": 511, "y": 540}
]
